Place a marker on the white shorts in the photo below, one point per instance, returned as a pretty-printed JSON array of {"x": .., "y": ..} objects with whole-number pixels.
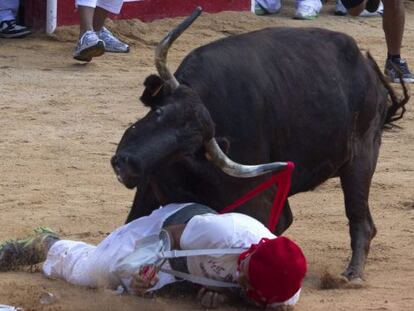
[{"x": 113, "y": 6}]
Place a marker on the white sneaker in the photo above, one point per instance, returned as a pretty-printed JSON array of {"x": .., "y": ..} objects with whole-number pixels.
[
  {"x": 259, "y": 10},
  {"x": 306, "y": 12},
  {"x": 267, "y": 7},
  {"x": 89, "y": 45},
  {"x": 378, "y": 12},
  {"x": 112, "y": 44},
  {"x": 340, "y": 10},
  {"x": 9, "y": 29}
]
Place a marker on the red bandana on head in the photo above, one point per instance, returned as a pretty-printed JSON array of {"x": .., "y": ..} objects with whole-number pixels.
[{"x": 276, "y": 270}]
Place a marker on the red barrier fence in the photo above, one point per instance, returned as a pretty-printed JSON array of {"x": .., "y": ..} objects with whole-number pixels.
[{"x": 145, "y": 10}]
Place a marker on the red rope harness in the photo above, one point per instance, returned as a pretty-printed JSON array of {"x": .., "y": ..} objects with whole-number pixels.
[{"x": 282, "y": 179}]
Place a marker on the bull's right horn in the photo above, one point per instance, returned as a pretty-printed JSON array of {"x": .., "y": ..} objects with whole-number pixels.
[
  {"x": 219, "y": 158},
  {"x": 162, "y": 48}
]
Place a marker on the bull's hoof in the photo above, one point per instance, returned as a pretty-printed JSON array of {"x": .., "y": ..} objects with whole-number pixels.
[
  {"x": 329, "y": 281},
  {"x": 353, "y": 283}
]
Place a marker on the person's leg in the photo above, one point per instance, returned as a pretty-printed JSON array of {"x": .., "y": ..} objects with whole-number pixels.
[
  {"x": 8, "y": 9},
  {"x": 89, "y": 45},
  {"x": 8, "y": 26},
  {"x": 30, "y": 250},
  {"x": 99, "y": 18},
  {"x": 378, "y": 13},
  {"x": 84, "y": 264},
  {"x": 393, "y": 24},
  {"x": 356, "y": 8},
  {"x": 103, "y": 7},
  {"x": 74, "y": 262},
  {"x": 86, "y": 15},
  {"x": 307, "y": 9},
  {"x": 340, "y": 10},
  {"x": 263, "y": 7}
]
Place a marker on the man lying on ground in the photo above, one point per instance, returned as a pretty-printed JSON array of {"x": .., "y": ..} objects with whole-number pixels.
[{"x": 268, "y": 272}]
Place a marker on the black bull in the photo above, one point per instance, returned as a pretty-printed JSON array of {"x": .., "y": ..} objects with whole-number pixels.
[{"x": 277, "y": 94}]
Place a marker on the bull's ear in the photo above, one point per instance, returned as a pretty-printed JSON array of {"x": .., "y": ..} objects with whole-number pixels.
[{"x": 155, "y": 89}]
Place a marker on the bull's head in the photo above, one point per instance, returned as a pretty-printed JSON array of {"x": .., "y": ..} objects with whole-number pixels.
[{"x": 177, "y": 125}]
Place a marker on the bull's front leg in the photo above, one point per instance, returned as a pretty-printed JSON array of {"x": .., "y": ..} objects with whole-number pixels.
[
  {"x": 285, "y": 220},
  {"x": 144, "y": 203}
]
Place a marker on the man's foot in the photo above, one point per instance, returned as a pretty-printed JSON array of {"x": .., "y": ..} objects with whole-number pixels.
[
  {"x": 259, "y": 10},
  {"x": 372, "y": 5},
  {"x": 9, "y": 29},
  {"x": 395, "y": 68},
  {"x": 306, "y": 12},
  {"x": 89, "y": 46},
  {"x": 378, "y": 12},
  {"x": 28, "y": 251},
  {"x": 340, "y": 10},
  {"x": 112, "y": 44}
]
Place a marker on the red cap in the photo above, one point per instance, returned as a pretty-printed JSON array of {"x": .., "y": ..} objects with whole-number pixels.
[{"x": 276, "y": 270}]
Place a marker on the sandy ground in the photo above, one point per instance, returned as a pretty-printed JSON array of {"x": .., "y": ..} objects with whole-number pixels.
[{"x": 60, "y": 122}]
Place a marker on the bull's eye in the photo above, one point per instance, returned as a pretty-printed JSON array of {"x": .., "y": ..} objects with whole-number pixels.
[{"x": 158, "y": 112}]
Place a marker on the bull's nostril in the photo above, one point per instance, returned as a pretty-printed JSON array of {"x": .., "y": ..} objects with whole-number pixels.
[
  {"x": 114, "y": 161},
  {"x": 119, "y": 160}
]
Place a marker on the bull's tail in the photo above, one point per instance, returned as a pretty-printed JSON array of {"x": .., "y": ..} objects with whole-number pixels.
[{"x": 396, "y": 109}]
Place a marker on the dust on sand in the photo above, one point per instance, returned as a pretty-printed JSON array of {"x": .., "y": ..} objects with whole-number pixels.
[{"x": 60, "y": 123}]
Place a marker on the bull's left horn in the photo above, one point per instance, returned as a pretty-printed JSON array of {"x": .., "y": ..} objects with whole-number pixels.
[
  {"x": 162, "y": 48},
  {"x": 219, "y": 158}
]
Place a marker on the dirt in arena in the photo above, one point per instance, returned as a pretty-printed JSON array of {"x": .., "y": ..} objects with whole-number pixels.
[{"x": 61, "y": 120}]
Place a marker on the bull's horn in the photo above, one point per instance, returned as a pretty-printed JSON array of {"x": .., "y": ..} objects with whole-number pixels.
[
  {"x": 219, "y": 158},
  {"x": 162, "y": 49}
]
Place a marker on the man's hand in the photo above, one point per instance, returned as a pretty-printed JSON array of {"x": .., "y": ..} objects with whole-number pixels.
[
  {"x": 144, "y": 278},
  {"x": 210, "y": 298}
]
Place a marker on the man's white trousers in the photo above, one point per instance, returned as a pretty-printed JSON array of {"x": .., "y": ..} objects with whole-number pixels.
[
  {"x": 98, "y": 266},
  {"x": 113, "y": 6}
]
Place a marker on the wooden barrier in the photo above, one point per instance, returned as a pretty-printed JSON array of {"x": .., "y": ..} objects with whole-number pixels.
[{"x": 145, "y": 10}]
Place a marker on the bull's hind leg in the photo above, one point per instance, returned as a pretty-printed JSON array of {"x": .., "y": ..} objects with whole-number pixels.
[{"x": 356, "y": 179}]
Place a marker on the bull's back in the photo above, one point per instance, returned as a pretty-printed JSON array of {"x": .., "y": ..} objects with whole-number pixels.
[{"x": 296, "y": 61}]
